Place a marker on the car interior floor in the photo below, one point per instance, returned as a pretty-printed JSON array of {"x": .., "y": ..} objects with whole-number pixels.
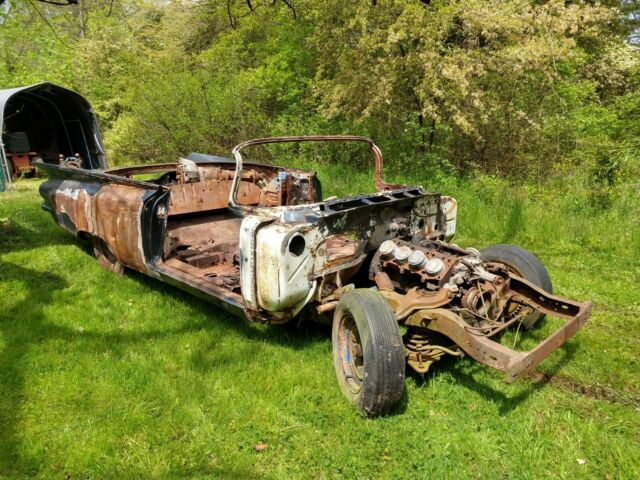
[{"x": 205, "y": 246}]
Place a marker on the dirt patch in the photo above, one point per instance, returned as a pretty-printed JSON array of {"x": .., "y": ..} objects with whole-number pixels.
[{"x": 597, "y": 391}]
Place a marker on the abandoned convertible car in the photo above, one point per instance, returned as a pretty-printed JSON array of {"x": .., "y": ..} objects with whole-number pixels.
[{"x": 259, "y": 241}]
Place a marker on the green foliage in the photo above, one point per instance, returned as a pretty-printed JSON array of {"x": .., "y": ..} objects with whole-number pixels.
[
  {"x": 518, "y": 89},
  {"x": 489, "y": 72}
]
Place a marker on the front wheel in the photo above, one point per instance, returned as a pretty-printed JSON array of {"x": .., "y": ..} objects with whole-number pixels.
[{"x": 368, "y": 352}]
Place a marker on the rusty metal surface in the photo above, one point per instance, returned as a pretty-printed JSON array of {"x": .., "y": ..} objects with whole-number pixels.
[
  {"x": 76, "y": 205},
  {"x": 203, "y": 249},
  {"x": 106, "y": 258},
  {"x": 402, "y": 275},
  {"x": 116, "y": 211},
  {"x": 262, "y": 186},
  {"x": 340, "y": 248},
  {"x": 209, "y": 195},
  {"x": 196, "y": 278},
  {"x": 375, "y": 150},
  {"x": 206, "y": 248},
  {"x": 532, "y": 358},
  {"x": 110, "y": 212},
  {"x": 492, "y": 353},
  {"x": 421, "y": 351},
  {"x": 528, "y": 293},
  {"x": 478, "y": 347},
  {"x": 414, "y": 299},
  {"x": 383, "y": 282},
  {"x": 466, "y": 300}
]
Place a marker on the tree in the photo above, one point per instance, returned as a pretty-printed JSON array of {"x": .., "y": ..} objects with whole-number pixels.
[{"x": 485, "y": 70}]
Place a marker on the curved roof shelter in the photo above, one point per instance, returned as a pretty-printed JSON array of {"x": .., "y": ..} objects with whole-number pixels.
[{"x": 46, "y": 121}]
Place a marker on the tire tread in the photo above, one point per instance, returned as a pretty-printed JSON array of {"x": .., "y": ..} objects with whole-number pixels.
[{"x": 383, "y": 386}]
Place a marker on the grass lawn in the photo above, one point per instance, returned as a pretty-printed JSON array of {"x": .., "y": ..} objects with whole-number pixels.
[{"x": 124, "y": 377}]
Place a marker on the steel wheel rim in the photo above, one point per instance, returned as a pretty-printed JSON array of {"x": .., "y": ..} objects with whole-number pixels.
[{"x": 351, "y": 353}]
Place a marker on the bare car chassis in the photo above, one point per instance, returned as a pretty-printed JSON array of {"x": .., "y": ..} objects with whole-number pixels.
[{"x": 259, "y": 241}]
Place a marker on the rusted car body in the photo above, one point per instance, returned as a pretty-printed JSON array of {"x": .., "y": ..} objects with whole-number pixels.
[{"x": 259, "y": 241}]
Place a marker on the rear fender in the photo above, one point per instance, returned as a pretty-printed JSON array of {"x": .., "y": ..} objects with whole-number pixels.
[{"x": 126, "y": 214}]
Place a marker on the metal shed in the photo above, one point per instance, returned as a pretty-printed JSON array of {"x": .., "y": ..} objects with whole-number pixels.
[{"x": 47, "y": 120}]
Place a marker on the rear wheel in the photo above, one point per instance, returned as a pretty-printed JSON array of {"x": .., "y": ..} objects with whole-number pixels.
[
  {"x": 106, "y": 258},
  {"x": 524, "y": 264},
  {"x": 368, "y": 352}
]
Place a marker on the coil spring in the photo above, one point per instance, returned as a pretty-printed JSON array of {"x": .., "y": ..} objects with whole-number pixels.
[
  {"x": 419, "y": 350},
  {"x": 416, "y": 341}
]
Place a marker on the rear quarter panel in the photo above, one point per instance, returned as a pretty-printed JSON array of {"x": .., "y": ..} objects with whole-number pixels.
[{"x": 119, "y": 211}]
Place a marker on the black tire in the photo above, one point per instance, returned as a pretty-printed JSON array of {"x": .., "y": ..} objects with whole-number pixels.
[
  {"x": 524, "y": 264},
  {"x": 368, "y": 353}
]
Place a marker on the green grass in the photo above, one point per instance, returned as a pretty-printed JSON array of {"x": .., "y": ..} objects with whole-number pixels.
[{"x": 103, "y": 377}]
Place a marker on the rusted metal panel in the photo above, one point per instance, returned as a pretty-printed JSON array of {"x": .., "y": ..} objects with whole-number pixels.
[
  {"x": 116, "y": 211},
  {"x": 209, "y": 195},
  {"x": 339, "y": 248},
  {"x": 215, "y": 255},
  {"x": 75, "y": 203}
]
